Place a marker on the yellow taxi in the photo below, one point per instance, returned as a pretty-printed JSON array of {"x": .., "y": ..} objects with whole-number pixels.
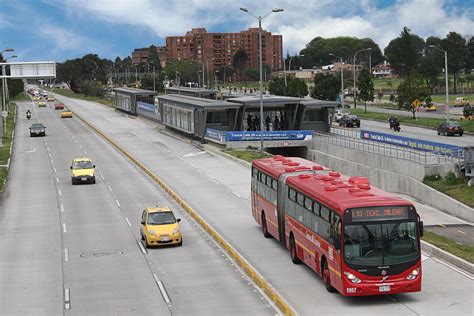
[
  {"x": 50, "y": 98},
  {"x": 41, "y": 104},
  {"x": 82, "y": 171},
  {"x": 159, "y": 226},
  {"x": 66, "y": 114},
  {"x": 461, "y": 101},
  {"x": 36, "y": 98},
  {"x": 431, "y": 107}
]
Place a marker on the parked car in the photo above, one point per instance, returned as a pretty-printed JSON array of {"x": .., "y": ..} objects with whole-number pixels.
[
  {"x": 349, "y": 121},
  {"x": 37, "y": 129},
  {"x": 450, "y": 128},
  {"x": 340, "y": 113}
]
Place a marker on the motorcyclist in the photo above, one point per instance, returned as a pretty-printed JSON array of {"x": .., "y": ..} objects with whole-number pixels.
[
  {"x": 391, "y": 120},
  {"x": 28, "y": 114}
]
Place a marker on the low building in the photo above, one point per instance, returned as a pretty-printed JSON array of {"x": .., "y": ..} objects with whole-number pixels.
[
  {"x": 133, "y": 100},
  {"x": 382, "y": 71},
  {"x": 140, "y": 55}
]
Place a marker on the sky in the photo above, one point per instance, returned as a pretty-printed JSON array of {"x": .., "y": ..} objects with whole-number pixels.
[{"x": 65, "y": 29}]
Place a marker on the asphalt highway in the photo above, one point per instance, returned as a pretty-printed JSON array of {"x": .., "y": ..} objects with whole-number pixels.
[
  {"x": 76, "y": 249},
  {"x": 219, "y": 190}
]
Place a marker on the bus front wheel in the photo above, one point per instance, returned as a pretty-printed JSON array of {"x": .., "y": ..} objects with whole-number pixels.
[
  {"x": 293, "y": 252},
  {"x": 327, "y": 278}
]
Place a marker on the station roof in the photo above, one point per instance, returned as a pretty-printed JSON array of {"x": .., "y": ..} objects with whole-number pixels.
[
  {"x": 192, "y": 90},
  {"x": 319, "y": 103},
  {"x": 267, "y": 100},
  {"x": 134, "y": 91},
  {"x": 199, "y": 102}
]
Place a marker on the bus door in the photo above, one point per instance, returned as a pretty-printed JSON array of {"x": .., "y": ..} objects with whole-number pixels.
[{"x": 281, "y": 206}]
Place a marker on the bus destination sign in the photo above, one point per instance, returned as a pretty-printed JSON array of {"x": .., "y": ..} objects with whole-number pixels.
[{"x": 377, "y": 213}]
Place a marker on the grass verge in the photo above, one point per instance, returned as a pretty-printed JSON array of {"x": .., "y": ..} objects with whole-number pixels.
[
  {"x": 465, "y": 252},
  {"x": 420, "y": 121},
  {"x": 441, "y": 98},
  {"x": 456, "y": 188},
  {"x": 71, "y": 94},
  {"x": 5, "y": 150},
  {"x": 248, "y": 155}
]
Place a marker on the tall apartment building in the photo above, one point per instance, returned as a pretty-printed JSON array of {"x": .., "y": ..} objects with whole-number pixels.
[
  {"x": 140, "y": 55},
  {"x": 218, "y": 49}
]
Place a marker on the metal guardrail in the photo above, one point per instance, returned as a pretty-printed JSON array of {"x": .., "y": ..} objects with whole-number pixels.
[{"x": 347, "y": 140}]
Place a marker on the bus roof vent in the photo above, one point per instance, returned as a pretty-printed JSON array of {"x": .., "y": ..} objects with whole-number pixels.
[
  {"x": 330, "y": 188},
  {"x": 363, "y": 194},
  {"x": 334, "y": 174},
  {"x": 301, "y": 168},
  {"x": 293, "y": 163},
  {"x": 353, "y": 190},
  {"x": 319, "y": 176},
  {"x": 364, "y": 186},
  {"x": 289, "y": 169},
  {"x": 303, "y": 176},
  {"x": 358, "y": 180},
  {"x": 318, "y": 167},
  {"x": 278, "y": 157},
  {"x": 327, "y": 178}
]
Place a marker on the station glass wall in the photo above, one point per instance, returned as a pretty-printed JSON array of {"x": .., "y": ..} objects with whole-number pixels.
[{"x": 178, "y": 117}]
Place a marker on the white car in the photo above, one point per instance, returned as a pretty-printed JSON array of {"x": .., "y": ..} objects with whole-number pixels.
[{"x": 340, "y": 113}]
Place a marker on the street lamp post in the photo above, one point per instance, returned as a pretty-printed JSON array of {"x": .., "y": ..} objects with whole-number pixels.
[
  {"x": 5, "y": 91},
  {"x": 355, "y": 92},
  {"x": 342, "y": 78},
  {"x": 446, "y": 78},
  {"x": 260, "y": 18},
  {"x": 289, "y": 65}
]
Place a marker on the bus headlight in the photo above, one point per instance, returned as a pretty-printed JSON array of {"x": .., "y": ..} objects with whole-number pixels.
[
  {"x": 152, "y": 231},
  {"x": 175, "y": 231},
  {"x": 352, "y": 277},
  {"x": 413, "y": 274}
]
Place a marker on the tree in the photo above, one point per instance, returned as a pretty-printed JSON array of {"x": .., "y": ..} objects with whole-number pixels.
[
  {"x": 410, "y": 89},
  {"x": 456, "y": 47},
  {"x": 153, "y": 57},
  {"x": 147, "y": 82},
  {"x": 430, "y": 68},
  {"x": 366, "y": 87},
  {"x": 470, "y": 55},
  {"x": 326, "y": 87},
  {"x": 224, "y": 73},
  {"x": 296, "y": 87},
  {"x": 239, "y": 61},
  {"x": 252, "y": 73},
  {"x": 404, "y": 52},
  {"x": 276, "y": 86}
]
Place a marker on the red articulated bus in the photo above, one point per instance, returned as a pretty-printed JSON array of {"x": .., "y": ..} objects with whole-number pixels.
[{"x": 360, "y": 239}]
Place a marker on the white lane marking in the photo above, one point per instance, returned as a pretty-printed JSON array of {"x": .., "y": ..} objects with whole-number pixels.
[
  {"x": 59, "y": 192},
  {"x": 54, "y": 169},
  {"x": 180, "y": 158},
  {"x": 64, "y": 228},
  {"x": 460, "y": 231},
  {"x": 66, "y": 254},
  {"x": 62, "y": 208},
  {"x": 110, "y": 189},
  {"x": 424, "y": 257},
  {"x": 46, "y": 143},
  {"x": 85, "y": 152},
  {"x": 141, "y": 247},
  {"x": 118, "y": 203},
  {"x": 80, "y": 146},
  {"x": 194, "y": 154},
  {"x": 30, "y": 151},
  {"x": 47, "y": 148},
  {"x": 57, "y": 180},
  {"x": 102, "y": 176},
  {"x": 128, "y": 222},
  {"x": 453, "y": 268},
  {"x": 49, "y": 154},
  {"x": 215, "y": 180},
  {"x": 162, "y": 289},
  {"x": 199, "y": 171},
  {"x": 133, "y": 133},
  {"x": 236, "y": 194},
  {"x": 67, "y": 299},
  {"x": 52, "y": 161}
]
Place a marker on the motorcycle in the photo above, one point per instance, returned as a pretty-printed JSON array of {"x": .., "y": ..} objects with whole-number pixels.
[
  {"x": 396, "y": 126},
  {"x": 28, "y": 115}
]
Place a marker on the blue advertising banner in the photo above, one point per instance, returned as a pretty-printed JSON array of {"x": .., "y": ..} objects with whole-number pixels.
[
  {"x": 418, "y": 144},
  {"x": 215, "y": 134},
  {"x": 273, "y": 135},
  {"x": 146, "y": 106}
]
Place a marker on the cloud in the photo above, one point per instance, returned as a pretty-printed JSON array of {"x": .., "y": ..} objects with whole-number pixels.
[{"x": 299, "y": 23}]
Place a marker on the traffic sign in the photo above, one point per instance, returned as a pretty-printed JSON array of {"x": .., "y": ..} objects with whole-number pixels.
[
  {"x": 4, "y": 113},
  {"x": 416, "y": 103}
]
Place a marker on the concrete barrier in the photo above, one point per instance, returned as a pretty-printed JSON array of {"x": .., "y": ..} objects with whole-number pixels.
[
  {"x": 269, "y": 291},
  {"x": 392, "y": 176}
]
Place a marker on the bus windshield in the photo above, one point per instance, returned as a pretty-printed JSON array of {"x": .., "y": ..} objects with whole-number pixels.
[{"x": 379, "y": 244}]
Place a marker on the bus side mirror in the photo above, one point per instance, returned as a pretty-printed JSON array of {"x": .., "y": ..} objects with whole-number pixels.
[
  {"x": 178, "y": 220},
  {"x": 70, "y": 167},
  {"x": 142, "y": 222},
  {"x": 337, "y": 244},
  {"x": 421, "y": 229}
]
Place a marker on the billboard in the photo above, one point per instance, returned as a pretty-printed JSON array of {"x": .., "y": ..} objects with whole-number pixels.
[
  {"x": 30, "y": 70},
  {"x": 418, "y": 144},
  {"x": 235, "y": 136}
]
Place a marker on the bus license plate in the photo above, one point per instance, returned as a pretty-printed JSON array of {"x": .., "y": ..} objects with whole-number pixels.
[
  {"x": 384, "y": 288},
  {"x": 83, "y": 179}
]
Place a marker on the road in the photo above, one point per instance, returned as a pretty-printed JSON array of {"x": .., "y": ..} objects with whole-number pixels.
[
  {"x": 63, "y": 244},
  {"x": 219, "y": 190}
]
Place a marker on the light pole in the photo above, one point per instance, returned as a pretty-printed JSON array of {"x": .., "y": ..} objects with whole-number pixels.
[
  {"x": 342, "y": 78},
  {"x": 355, "y": 92},
  {"x": 5, "y": 91},
  {"x": 446, "y": 75},
  {"x": 260, "y": 18},
  {"x": 154, "y": 84},
  {"x": 289, "y": 65},
  {"x": 215, "y": 78}
]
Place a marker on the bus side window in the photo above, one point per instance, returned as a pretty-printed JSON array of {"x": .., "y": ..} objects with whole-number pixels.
[
  {"x": 324, "y": 223},
  {"x": 299, "y": 207}
]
